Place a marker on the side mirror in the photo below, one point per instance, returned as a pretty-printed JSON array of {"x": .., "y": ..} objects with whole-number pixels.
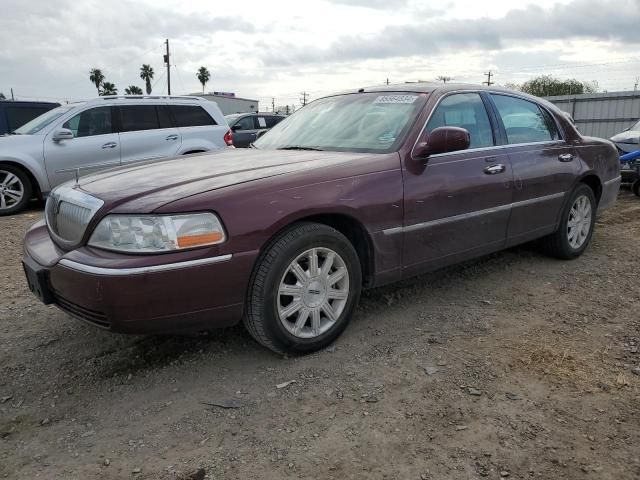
[
  {"x": 235, "y": 128},
  {"x": 62, "y": 134},
  {"x": 443, "y": 140}
]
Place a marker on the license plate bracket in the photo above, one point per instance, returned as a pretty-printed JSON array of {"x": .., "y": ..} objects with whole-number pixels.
[{"x": 38, "y": 281}]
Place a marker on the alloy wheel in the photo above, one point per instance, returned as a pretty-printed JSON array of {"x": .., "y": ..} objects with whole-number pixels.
[
  {"x": 11, "y": 190},
  {"x": 579, "y": 222},
  {"x": 313, "y": 292}
]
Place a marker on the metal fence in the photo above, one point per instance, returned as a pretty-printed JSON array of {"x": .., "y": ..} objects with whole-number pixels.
[{"x": 601, "y": 114}]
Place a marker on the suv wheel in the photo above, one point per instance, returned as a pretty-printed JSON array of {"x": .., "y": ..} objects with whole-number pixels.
[
  {"x": 304, "y": 290},
  {"x": 576, "y": 225},
  {"x": 15, "y": 190}
]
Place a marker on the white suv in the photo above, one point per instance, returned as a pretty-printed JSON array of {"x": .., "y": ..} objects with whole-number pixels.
[{"x": 109, "y": 131}]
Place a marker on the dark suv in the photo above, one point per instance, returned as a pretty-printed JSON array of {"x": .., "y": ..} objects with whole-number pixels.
[
  {"x": 15, "y": 114},
  {"x": 248, "y": 127}
]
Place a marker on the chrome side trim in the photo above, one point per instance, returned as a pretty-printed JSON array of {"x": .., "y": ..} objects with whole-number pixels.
[
  {"x": 81, "y": 267},
  {"x": 613, "y": 180},
  {"x": 466, "y": 216}
]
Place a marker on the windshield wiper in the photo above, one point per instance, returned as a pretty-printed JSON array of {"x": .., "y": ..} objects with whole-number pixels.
[{"x": 300, "y": 147}]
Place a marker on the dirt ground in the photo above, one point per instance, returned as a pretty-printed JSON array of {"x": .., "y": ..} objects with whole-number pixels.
[{"x": 515, "y": 365}]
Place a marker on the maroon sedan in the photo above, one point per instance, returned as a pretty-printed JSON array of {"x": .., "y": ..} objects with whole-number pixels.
[{"x": 352, "y": 191}]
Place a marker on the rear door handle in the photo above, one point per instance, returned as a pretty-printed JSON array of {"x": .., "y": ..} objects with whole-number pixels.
[
  {"x": 565, "y": 157},
  {"x": 110, "y": 145},
  {"x": 172, "y": 137},
  {"x": 494, "y": 169}
]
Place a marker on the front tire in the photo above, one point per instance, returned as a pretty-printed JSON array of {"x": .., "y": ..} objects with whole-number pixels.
[
  {"x": 576, "y": 225},
  {"x": 304, "y": 289},
  {"x": 15, "y": 190}
]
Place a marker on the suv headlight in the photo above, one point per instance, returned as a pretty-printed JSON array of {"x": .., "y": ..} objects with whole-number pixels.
[{"x": 157, "y": 233}]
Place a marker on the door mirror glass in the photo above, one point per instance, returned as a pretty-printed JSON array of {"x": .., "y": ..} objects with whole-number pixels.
[
  {"x": 443, "y": 140},
  {"x": 62, "y": 134}
]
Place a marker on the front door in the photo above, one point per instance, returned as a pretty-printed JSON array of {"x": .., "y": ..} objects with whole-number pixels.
[
  {"x": 147, "y": 133},
  {"x": 245, "y": 131},
  {"x": 544, "y": 166},
  {"x": 95, "y": 146},
  {"x": 457, "y": 204}
]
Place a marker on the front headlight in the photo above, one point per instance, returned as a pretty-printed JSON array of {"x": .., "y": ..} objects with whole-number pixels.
[{"x": 157, "y": 233}]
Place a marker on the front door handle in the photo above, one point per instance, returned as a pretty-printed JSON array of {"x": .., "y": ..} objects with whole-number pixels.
[
  {"x": 172, "y": 137},
  {"x": 565, "y": 157},
  {"x": 494, "y": 169},
  {"x": 110, "y": 145}
]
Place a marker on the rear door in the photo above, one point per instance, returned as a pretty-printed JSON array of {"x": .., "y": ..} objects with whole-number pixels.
[
  {"x": 147, "y": 133},
  {"x": 245, "y": 131},
  {"x": 457, "y": 204},
  {"x": 198, "y": 128},
  {"x": 544, "y": 166},
  {"x": 95, "y": 146}
]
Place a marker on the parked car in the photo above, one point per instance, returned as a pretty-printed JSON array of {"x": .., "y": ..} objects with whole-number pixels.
[
  {"x": 248, "y": 127},
  {"x": 14, "y": 114},
  {"x": 629, "y": 140},
  {"x": 109, "y": 131},
  {"x": 353, "y": 191}
]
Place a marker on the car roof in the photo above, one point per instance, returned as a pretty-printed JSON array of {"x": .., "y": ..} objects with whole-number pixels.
[{"x": 26, "y": 102}]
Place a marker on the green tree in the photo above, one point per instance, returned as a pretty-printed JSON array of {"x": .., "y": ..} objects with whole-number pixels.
[
  {"x": 133, "y": 90},
  {"x": 146, "y": 74},
  {"x": 108, "y": 88},
  {"x": 96, "y": 77},
  {"x": 548, "y": 85},
  {"x": 203, "y": 76}
]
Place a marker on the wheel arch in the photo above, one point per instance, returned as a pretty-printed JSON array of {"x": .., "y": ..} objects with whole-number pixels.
[
  {"x": 350, "y": 227},
  {"x": 593, "y": 181}
]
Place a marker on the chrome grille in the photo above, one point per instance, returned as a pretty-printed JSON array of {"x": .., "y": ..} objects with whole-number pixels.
[{"x": 68, "y": 212}]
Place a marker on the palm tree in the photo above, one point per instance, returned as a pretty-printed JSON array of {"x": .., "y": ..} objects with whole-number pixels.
[
  {"x": 133, "y": 90},
  {"x": 146, "y": 74},
  {"x": 204, "y": 76},
  {"x": 2, "y": 97},
  {"x": 109, "y": 88},
  {"x": 444, "y": 78},
  {"x": 96, "y": 76}
]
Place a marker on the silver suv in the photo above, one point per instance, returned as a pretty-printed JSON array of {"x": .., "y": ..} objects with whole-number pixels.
[{"x": 109, "y": 131}]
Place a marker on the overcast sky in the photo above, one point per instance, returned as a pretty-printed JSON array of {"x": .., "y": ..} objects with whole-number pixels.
[{"x": 262, "y": 49}]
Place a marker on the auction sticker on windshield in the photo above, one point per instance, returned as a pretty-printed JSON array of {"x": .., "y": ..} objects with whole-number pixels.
[{"x": 396, "y": 99}]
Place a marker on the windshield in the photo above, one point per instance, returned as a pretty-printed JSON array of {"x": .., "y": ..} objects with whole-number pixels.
[
  {"x": 362, "y": 122},
  {"x": 38, "y": 123}
]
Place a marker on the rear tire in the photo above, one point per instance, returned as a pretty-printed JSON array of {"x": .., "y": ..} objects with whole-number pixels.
[
  {"x": 303, "y": 290},
  {"x": 635, "y": 188},
  {"x": 576, "y": 225},
  {"x": 15, "y": 190}
]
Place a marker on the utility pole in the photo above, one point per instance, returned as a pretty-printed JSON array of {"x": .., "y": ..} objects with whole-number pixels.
[
  {"x": 12, "y": 99},
  {"x": 167, "y": 60},
  {"x": 387, "y": 82},
  {"x": 273, "y": 104},
  {"x": 304, "y": 98},
  {"x": 635, "y": 87},
  {"x": 488, "y": 83}
]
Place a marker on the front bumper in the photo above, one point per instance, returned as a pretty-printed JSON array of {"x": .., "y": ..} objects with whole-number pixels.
[{"x": 168, "y": 294}]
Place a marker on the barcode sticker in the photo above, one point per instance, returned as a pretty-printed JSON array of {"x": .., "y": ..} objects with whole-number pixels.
[{"x": 396, "y": 99}]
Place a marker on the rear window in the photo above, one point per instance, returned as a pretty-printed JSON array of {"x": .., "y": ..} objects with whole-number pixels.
[
  {"x": 191, "y": 116},
  {"x": 139, "y": 117},
  {"x": 273, "y": 121},
  {"x": 18, "y": 116}
]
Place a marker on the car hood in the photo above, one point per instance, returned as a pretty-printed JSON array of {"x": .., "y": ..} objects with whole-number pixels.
[
  {"x": 143, "y": 187},
  {"x": 631, "y": 136}
]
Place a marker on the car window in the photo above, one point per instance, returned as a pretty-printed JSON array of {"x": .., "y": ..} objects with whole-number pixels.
[
  {"x": 18, "y": 116},
  {"x": 139, "y": 117},
  {"x": 464, "y": 110},
  {"x": 524, "y": 121},
  {"x": 245, "y": 123},
  {"x": 95, "y": 121},
  {"x": 191, "y": 116},
  {"x": 272, "y": 121},
  {"x": 164, "y": 117}
]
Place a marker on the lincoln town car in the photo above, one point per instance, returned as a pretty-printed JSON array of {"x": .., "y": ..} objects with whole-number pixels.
[{"x": 353, "y": 191}]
